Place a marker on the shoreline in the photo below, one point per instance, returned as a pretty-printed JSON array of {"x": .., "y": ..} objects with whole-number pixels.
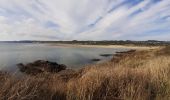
[
  {"x": 132, "y": 70},
  {"x": 105, "y": 46}
]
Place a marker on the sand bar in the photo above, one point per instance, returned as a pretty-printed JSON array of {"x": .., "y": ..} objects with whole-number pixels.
[{"x": 106, "y": 46}]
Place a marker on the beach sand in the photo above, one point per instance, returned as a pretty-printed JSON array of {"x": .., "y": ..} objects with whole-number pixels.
[{"x": 106, "y": 46}]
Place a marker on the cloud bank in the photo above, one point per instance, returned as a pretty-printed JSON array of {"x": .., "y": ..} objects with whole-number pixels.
[{"x": 84, "y": 19}]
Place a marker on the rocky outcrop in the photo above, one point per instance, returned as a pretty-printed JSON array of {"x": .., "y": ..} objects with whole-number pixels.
[
  {"x": 95, "y": 59},
  {"x": 41, "y": 66},
  {"x": 126, "y": 52},
  {"x": 106, "y": 55},
  {"x": 119, "y": 55}
]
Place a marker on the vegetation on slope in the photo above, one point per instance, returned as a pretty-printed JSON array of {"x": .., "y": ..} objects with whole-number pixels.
[{"x": 142, "y": 75}]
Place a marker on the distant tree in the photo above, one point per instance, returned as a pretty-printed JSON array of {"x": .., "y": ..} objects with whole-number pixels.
[
  {"x": 152, "y": 40},
  {"x": 74, "y": 40}
]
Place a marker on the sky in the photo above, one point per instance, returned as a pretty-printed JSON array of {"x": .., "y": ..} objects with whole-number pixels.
[{"x": 84, "y": 20}]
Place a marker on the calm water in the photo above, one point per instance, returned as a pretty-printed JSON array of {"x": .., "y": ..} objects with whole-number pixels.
[{"x": 74, "y": 57}]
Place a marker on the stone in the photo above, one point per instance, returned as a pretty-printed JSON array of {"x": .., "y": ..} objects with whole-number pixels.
[{"x": 41, "y": 66}]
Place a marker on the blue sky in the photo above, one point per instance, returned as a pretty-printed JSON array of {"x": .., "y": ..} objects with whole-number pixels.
[{"x": 84, "y": 20}]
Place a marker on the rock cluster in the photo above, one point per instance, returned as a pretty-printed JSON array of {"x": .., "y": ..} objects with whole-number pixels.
[
  {"x": 119, "y": 55},
  {"x": 41, "y": 66}
]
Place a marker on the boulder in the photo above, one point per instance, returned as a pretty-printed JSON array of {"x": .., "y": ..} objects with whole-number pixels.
[
  {"x": 41, "y": 66},
  {"x": 95, "y": 59},
  {"x": 106, "y": 55},
  {"x": 126, "y": 52}
]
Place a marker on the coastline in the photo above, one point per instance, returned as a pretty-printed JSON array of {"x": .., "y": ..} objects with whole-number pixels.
[
  {"x": 105, "y": 46},
  {"x": 133, "y": 70}
]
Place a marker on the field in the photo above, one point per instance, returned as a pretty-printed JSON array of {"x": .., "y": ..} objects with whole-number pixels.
[{"x": 140, "y": 75}]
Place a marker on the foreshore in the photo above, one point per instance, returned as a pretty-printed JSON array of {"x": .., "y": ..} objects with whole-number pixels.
[{"x": 105, "y": 46}]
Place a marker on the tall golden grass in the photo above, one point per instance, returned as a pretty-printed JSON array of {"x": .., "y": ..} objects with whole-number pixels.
[{"x": 143, "y": 75}]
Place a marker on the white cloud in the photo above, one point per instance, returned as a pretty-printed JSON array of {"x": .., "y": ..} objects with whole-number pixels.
[
  {"x": 119, "y": 23},
  {"x": 81, "y": 19}
]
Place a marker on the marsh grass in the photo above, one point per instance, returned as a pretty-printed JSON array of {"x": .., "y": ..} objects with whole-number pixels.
[{"x": 143, "y": 75}]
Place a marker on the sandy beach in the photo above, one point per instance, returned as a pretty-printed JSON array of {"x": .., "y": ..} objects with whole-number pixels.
[{"x": 106, "y": 46}]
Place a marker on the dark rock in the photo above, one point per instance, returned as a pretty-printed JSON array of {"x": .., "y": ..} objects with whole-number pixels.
[
  {"x": 130, "y": 51},
  {"x": 41, "y": 66},
  {"x": 119, "y": 55},
  {"x": 95, "y": 59},
  {"x": 106, "y": 55}
]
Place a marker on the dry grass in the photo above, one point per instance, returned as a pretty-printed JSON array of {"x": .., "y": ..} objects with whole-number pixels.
[
  {"x": 165, "y": 51},
  {"x": 143, "y": 75}
]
